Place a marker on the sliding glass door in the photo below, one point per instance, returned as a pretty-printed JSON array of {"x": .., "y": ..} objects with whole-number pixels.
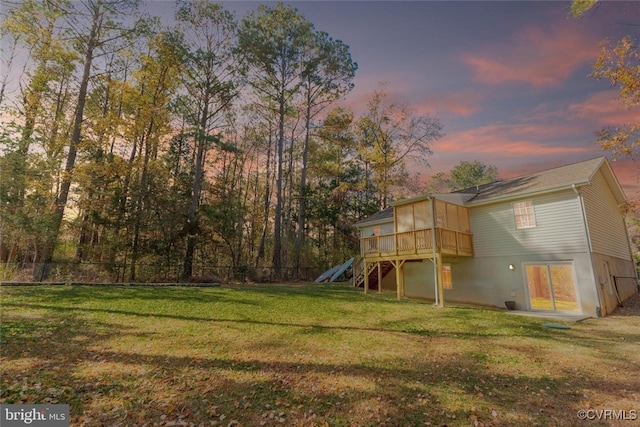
[{"x": 552, "y": 287}]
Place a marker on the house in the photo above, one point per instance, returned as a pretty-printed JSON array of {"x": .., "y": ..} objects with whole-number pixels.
[{"x": 552, "y": 241}]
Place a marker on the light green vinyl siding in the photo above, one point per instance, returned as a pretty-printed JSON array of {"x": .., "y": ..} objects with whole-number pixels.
[
  {"x": 606, "y": 226},
  {"x": 383, "y": 228},
  {"x": 559, "y": 227}
]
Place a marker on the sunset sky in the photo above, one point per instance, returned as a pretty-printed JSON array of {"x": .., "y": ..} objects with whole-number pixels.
[{"x": 509, "y": 80}]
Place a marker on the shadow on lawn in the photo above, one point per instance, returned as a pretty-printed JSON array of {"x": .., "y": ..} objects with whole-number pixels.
[
  {"x": 81, "y": 293},
  {"x": 58, "y": 354},
  {"x": 246, "y": 294},
  {"x": 68, "y": 362},
  {"x": 49, "y": 348},
  {"x": 469, "y": 328}
]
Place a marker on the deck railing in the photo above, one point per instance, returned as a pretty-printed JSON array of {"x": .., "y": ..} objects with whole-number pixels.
[{"x": 418, "y": 242}]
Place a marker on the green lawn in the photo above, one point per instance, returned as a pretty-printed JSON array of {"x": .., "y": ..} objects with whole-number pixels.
[{"x": 304, "y": 355}]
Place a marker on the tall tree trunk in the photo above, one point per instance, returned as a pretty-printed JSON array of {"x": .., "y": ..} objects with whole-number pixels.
[
  {"x": 287, "y": 217},
  {"x": 63, "y": 195},
  {"x": 303, "y": 190},
  {"x": 267, "y": 206},
  {"x": 192, "y": 217},
  {"x": 86, "y": 229},
  {"x": 277, "y": 227},
  {"x": 135, "y": 246}
]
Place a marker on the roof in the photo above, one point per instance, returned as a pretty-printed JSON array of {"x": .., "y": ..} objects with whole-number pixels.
[
  {"x": 383, "y": 216},
  {"x": 559, "y": 178},
  {"x": 458, "y": 198},
  {"x": 546, "y": 181}
]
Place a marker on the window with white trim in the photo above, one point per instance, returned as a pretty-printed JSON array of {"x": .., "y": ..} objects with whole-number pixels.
[{"x": 524, "y": 215}]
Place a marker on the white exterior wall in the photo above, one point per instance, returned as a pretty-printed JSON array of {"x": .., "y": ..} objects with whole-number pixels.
[
  {"x": 489, "y": 281},
  {"x": 559, "y": 227},
  {"x": 385, "y": 228},
  {"x": 418, "y": 279},
  {"x": 616, "y": 267},
  {"x": 559, "y": 236},
  {"x": 606, "y": 223},
  {"x": 609, "y": 242},
  {"x": 369, "y": 231}
]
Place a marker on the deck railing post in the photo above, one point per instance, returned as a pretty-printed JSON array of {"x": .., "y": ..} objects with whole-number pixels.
[{"x": 395, "y": 243}]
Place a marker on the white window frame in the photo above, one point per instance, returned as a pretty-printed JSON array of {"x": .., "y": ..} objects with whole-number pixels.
[
  {"x": 548, "y": 264},
  {"x": 524, "y": 214}
]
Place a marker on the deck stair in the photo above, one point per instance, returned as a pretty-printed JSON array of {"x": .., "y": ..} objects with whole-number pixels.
[{"x": 372, "y": 271}]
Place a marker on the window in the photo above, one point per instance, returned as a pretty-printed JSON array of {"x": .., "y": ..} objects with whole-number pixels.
[
  {"x": 525, "y": 217},
  {"x": 404, "y": 218},
  {"x": 447, "y": 283},
  {"x": 441, "y": 214},
  {"x": 552, "y": 286}
]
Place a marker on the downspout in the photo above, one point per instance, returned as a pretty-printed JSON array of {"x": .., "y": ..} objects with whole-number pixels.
[
  {"x": 590, "y": 249},
  {"x": 633, "y": 260},
  {"x": 433, "y": 248}
]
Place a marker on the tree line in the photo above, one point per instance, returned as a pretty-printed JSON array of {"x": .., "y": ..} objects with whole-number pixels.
[{"x": 211, "y": 140}]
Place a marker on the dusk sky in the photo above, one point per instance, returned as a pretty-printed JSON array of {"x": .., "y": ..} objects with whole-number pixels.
[{"x": 509, "y": 80}]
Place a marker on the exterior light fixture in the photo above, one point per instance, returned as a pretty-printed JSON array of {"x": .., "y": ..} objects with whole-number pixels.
[{"x": 512, "y": 267}]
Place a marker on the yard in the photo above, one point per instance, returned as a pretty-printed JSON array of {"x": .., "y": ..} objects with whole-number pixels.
[{"x": 305, "y": 355}]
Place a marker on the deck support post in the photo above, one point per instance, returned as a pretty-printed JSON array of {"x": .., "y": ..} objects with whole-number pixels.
[
  {"x": 435, "y": 255},
  {"x": 438, "y": 267},
  {"x": 379, "y": 277},
  {"x": 398, "y": 265},
  {"x": 366, "y": 276}
]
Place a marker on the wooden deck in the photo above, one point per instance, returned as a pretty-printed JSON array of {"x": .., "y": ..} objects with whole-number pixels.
[
  {"x": 423, "y": 228},
  {"x": 417, "y": 244}
]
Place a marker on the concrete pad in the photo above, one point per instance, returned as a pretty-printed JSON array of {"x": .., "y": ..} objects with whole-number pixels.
[{"x": 563, "y": 317}]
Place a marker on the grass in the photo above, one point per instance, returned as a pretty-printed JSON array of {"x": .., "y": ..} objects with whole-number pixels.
[{"x": 309, "y": 355}]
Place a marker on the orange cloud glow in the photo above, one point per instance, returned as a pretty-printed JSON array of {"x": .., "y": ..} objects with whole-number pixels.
[
  {"x": 460, "y": 104},
  {"x": 536, "y": 56},
  {"x": 629, "y": 176},
  {"x": 604, "y": 108},
  {"x": 508, "y": 141}
]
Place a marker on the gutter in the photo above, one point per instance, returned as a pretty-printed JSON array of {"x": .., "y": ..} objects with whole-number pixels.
[{"x": 521, "y": 195}]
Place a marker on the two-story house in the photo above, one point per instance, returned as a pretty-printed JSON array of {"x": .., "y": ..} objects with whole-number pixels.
[{"x": 554, "y": 240}]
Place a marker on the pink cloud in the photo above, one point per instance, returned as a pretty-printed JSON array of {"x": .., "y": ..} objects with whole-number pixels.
[
  {"x": 464, "y": 104},
  {"x": 627, "y": 173},
  {"x": 604, "y": 108},
  {"x": 515, "y": 140},
  {"x": 536, "y": 56}
]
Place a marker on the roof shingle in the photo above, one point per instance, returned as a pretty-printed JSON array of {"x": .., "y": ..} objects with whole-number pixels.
[{"x": 546, "y": 180}]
